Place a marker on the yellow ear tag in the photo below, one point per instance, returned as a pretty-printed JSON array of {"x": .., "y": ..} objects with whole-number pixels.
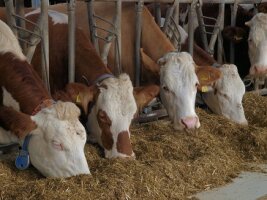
[
  {"x": 78, "y": 99},
  {"x": 204, "y": 89}
]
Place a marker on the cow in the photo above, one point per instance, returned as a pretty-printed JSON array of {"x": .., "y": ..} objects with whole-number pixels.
[
  {"x": 257, "y": 43},
  {"x": 50, "y": 130},
  {"x": 109, "y": 101}
]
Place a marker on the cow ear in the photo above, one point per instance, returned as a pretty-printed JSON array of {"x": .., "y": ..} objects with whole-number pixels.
[
  {"x": 77, "y": 93},
  {"x": 234, "y": 34},
  {"x": 81, "y": 94},
  {"x": 144, "y": 95},
  {"x": 207, "y": 77},
  {"x": 149, "y": 64},
  {"x": 248, "y": 23},
  {"x": 18, "y": 123}
]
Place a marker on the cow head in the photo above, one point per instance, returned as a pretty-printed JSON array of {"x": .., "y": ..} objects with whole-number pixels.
[
  {"x": 57, "y": 144},
  {"x": 226, "y": 97},
  {"x": 56, "y": 147},
  {"x": 257, "y": 42},
  {"x": 178, "y": 87},
  {"x": 111, "y": 116}
]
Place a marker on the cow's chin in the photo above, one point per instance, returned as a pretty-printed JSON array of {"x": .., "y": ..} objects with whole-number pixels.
[{"x": 53, "y": 160}]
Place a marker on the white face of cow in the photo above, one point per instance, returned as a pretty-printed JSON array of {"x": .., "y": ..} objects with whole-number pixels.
[
  {"x": 111, "y": 116},
  {"x": 56, "y": 147},
  {"x": 226, "y": 99},
  {"x": 178, "y": 82},
  {"x": 257, "y": 43}
]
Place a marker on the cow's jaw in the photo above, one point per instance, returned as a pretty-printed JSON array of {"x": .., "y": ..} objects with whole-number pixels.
[
  {"x": 178, "y": 90},
  {"x": 226, "y": 99},
  {"x": 56, "y": 147},
  {"x": 110, "y": 119},
  {"x": 257, "y": 43}
]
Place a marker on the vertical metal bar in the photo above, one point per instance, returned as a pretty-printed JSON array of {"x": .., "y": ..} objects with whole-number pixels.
[
  {"x": 233, "y": 22},
  {"x": 169, "y": 13},
  {"x": 157, "y": 13},
  {"x": 45, "y": 43},
  {"x": 138, "y": 31},
  {"x": 220, "y": 40},
  {"x": 216, "y": 27},
  {"x": 10, "y": 19},
  {"x": 20, "y": 22},
  {"x": 202, "y": 27},
  {"x": 190, "y": 26},
  {"x": 71, "y": 40},
  {"x": 118, "y": 34},
  {"x": 92, "y": 24},
  {"x": 36, "y": 3}
]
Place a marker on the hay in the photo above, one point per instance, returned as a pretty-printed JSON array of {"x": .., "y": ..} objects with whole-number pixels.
[{"x": 169, "y": 164}]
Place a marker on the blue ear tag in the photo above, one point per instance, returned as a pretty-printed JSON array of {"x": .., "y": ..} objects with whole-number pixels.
[{"x": 23, "y": 159}]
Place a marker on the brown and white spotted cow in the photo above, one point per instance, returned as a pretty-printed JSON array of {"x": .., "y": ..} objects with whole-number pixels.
[
  {"x": 56, "y": 146},
  {"x": 112, "y": 103}
]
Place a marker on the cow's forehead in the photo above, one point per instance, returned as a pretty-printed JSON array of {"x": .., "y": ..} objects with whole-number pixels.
[
  {"x": 179, "y": 70},
  {"x": 117, "y": 97}
]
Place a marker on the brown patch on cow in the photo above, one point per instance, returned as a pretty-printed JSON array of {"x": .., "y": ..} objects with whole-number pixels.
[
  {"x": 22, "y": 82},
  {"x": 18, "y": 123},
  {"x": 105, "y": 124},
  {"x": 124, "y": 145}
]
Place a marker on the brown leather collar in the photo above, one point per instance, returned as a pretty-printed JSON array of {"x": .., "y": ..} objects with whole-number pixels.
[{"x": 44, "y": 104}]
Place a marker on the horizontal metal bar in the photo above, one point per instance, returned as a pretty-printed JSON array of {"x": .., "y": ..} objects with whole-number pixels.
[{"x": 190, "y": 1}]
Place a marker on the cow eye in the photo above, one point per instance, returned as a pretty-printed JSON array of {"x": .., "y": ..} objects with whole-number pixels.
[
  {"x": 196, "y": 85},
  {"x": 166, "y": 89}
]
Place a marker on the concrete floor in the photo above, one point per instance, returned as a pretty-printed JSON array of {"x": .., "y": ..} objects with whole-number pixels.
[{"x": 247, "y": 186}]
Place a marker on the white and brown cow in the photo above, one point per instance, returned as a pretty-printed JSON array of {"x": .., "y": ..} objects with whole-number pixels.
[
  {"x": 56, "y": 147},
  {"x": 112, "y": 103},
  {"x": 257, "y": 43}
]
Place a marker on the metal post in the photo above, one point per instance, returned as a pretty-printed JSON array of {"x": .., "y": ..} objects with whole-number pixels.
[
  {"x": 157, "y": 13},
  {"x": 92, "y": 25},
  {"x": 118, "y": 34},
  {"x": 233, "y": 22},
  {"x": 45, "y": 43},
  {"x": 190, "y": 27},
  {"x": 220, "y": 40},
  {"x": 138, "y": 30},
  {"x": 202, "y": 27},
  {"x": 71, "y": 40},
  {"x": 216, "y": 30},
  {"x": 169, "y": 13},
  {"x": 10, "y": 19},
  {"x": 20, "y": 11}
]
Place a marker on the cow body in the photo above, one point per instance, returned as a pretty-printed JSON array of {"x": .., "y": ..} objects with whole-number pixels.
[{"x": 57, "y": 134}]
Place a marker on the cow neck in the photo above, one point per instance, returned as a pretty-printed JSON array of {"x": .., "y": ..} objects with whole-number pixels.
[
  {"x": 200, "y": 56},
  {"x": 154, "y": 41},
  {"x": 22, "y": 82},
  {"x": 89, "y": 65}
]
